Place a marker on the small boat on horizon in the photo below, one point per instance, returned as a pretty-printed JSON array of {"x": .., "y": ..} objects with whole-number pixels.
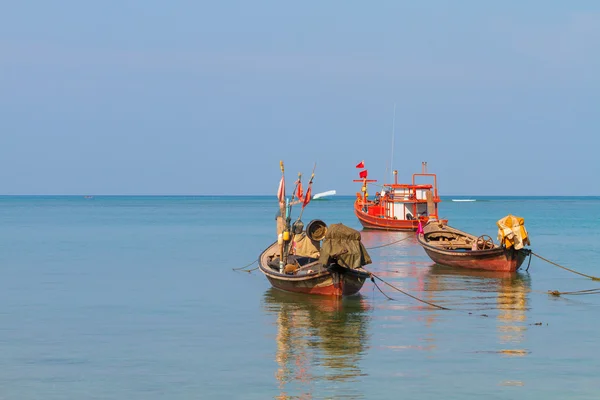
[
  {"x": 324, "y": 194},
  {"x": 399, "y": 206},
  {"x": 454, "y": 248},
  {"x": 462, "y": 200}
]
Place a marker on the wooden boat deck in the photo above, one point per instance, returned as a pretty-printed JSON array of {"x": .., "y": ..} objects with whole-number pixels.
[
  {"x": 269, "y": 264},
  {"x": 312, "y": 277},
  {"x": 452, "y": 247}
]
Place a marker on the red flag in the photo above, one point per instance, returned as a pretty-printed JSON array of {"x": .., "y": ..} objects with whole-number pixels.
[
  {"x": 281, "y": 191},
  {"x": 363, "y": 174},
  {"x": 307, "y": 196},
  {"x": 299, "y": 193},
  {"x": 360, "y": 164}
]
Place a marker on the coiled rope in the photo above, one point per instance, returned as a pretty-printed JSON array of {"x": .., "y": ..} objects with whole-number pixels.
[{"x": 594, "y": 278}]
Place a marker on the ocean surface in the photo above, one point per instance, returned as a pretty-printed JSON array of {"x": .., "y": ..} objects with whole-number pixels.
[{"x": 136, "y": 298}]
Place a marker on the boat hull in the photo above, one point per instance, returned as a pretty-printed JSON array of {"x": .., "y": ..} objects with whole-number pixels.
[
  {"x": 334, "y": 281},
  {"x": 497, "y": 259},
  {"x": 386, "y": 224},
  {"x": 332, "y": 284}
]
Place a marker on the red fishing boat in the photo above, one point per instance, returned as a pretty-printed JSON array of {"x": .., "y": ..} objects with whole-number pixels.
[
  {"x": 454, "y": 248},
  {"x": 398, "y": 206},
  {"x": 321, "y": 259}
]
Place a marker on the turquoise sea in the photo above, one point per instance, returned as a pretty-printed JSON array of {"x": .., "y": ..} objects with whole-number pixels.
[{"x": 136, "y": 298}]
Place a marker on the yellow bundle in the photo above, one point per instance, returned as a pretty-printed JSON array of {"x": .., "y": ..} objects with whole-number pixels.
[{"x": 512, "y": 232}]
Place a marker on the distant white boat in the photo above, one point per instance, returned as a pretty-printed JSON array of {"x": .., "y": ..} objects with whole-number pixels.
[
  {"x": 463, "y": 200},
  {"x": 324, "y": 194}
]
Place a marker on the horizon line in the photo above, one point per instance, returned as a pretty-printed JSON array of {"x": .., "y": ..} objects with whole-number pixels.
[{"x": 274, "y": 196}]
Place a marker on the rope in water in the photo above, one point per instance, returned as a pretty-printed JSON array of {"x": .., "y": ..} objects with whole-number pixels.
[
  {"x": 389, "y": 244},
  {"x": 576, "y": 292},
  {"x": 246, "y": 266},
  {"x": 378, "y": 288},
  {"x": 595, "y": 278},
  {"x": 373, "y": 277}
]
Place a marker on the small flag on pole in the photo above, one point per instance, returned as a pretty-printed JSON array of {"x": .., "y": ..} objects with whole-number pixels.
[
  {"x": 363, "y": 174},
  {"x": 281, "y": 191},
  {"x": 307, "y": 196},
  {"x": 420, "y": 228},
  {"x": 300, "y": 192},
  {"x": 360, "y": 164}
]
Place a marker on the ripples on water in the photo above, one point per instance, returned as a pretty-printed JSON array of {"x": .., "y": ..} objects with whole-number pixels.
[
  {"x": 322, "y": 341},
  {"x": 134, "y": 298},
  {"x": 318, "y": 339}
]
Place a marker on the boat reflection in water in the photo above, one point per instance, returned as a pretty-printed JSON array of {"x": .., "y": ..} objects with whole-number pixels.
[
  {"x": 319, "y": 339},
  {"x": 501, "y": 293}
]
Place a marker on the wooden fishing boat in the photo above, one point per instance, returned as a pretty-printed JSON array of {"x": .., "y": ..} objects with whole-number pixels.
[
  {"x": 452, "y": 247},
  {"x": 317, "y": 260},
  {"x": 329, "y": 274},
  {"x": 399, "y": 206}
]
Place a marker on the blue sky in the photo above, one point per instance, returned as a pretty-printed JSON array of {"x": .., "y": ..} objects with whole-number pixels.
[{"x": 197, "y": 97}]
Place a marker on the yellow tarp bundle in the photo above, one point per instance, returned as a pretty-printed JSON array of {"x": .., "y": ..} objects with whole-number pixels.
[
  {"x": 512, "y": 232},
  {"x": 306, "y": 247}
]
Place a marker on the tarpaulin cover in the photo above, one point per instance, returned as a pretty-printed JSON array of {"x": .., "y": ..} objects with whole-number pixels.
[
  {"x": 340, "y": 238},
  {"x": 512, "y": 232}
]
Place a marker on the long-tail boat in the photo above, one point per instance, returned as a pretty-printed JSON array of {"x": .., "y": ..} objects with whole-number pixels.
[
  {"x": 452, "y": 247},
  {"x": 321, "y": 259},
  {"x": 398, "y": 206}
]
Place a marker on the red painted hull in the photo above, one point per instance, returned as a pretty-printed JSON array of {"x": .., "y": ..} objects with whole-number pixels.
[
  {"x": 386, "y": 224},
  {"x": 498, "y": 259},
  {"x": 328, "y": 285},
  {"x": 340, "y": 282}
]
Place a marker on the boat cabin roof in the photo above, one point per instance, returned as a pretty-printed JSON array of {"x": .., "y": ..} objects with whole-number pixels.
[{"x": 407, "y": 186}]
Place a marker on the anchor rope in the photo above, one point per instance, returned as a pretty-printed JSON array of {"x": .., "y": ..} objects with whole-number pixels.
[
  {"x": 594, "y": 278},
  {"x": 389, "y": 244},
  {"x": 246, "y": 266},
  {"x": 576, "y": 292},
  {"x": 378, "y": 288},
  {"x": 373, "y": 277}
]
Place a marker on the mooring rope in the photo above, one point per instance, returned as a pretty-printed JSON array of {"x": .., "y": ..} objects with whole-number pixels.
[
  {"x": 378, "y": 288},
  {"x": 243, "y": 269},
  {"x": 373, "y": 277},
  {"x": 576, "y": 292},
  {"x": 595, "y": 278},
  {"x": 389, "y": 244}
]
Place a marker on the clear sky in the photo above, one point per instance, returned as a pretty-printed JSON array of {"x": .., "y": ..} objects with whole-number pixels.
[{"x": 205, "y": 97}]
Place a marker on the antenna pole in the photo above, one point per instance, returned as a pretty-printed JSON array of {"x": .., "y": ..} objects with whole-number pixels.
[{"x": 393, "y": 134}]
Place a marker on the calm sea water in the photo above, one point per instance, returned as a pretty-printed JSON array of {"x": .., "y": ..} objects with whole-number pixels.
[{"x": 135, "y": 298}]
